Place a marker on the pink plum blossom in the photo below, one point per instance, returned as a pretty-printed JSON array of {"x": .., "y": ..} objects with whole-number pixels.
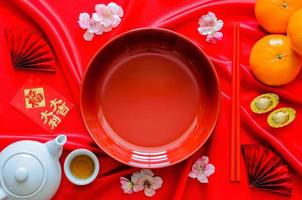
[
  {"x": 145, "y": 180},
  {"x": 126, "y": 185},
  {"x": 210, "y": 26},
  {"x": 103, "y": 20},
  {"x": 202, "y": 169},
  {"x": 109, "y": 16},
  {"x": 213, "y": 38},
  {"x": 90, "y": 25}
]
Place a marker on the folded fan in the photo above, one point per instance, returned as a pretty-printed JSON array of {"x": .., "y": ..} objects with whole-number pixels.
[
  {"x": 266, "y": 170},
  {"x": 29, "y": 50}
]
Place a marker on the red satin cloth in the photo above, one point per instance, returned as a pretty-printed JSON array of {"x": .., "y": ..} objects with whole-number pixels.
[{"x": 57, "y": 20}]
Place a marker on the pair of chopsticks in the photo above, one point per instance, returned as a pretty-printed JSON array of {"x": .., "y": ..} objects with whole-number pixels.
[{"x": 235, "y": 126}]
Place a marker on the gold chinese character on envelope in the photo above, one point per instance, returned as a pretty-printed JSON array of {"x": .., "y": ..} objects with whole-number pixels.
[
  {"x": 43, "y": 105},
  {"x": 34, "y": 98},
  {"x": 59, "y": 110}
]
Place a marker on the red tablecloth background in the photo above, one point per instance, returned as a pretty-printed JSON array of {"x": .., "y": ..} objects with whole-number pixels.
[{"x": 181, "y": 16}]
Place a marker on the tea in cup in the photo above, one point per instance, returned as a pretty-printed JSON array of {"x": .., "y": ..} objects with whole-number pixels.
[{"x": 81, "y": 167}]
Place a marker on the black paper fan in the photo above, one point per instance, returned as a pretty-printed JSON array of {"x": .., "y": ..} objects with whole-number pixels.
[
  {"x": 29, "y": 50},
  {"x": 266, "y": 170}
]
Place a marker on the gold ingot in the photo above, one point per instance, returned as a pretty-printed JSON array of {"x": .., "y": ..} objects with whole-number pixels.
[
  {"x": 264, "y": 103},
  {"x": 281, "y": 117}
]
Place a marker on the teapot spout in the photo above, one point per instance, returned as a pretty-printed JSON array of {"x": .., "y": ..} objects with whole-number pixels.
[
  {"x": 55, "y": 147},
  {"x": 3, "y": 194}
]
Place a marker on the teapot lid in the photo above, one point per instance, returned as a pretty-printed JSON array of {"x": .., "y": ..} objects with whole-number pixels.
[{"x": 23, "y": 174}]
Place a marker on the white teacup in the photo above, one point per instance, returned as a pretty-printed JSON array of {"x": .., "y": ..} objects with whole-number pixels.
[{"x": 71, "y": 176}]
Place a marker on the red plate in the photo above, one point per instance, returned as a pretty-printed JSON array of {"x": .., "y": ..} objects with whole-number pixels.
[{"x": 150, "y": 98}]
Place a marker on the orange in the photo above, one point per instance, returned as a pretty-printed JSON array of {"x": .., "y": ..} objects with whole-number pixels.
[
  {"x": 273, "y": 15},
  {"x": 294, "y": 31},
  {"x": 273, "y": 62}
]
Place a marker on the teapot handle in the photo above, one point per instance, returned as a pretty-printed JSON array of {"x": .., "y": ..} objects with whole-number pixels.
[{"x": 3, "y": 194}]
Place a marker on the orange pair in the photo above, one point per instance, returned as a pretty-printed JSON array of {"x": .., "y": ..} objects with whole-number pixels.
[{"x": 275, "y": 58}]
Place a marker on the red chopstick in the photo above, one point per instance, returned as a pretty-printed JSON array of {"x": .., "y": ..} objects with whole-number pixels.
[{"x": 235, "y": 127}]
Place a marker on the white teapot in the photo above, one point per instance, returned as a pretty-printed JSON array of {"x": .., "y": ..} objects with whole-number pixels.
[{"x": 30, "y": 169}]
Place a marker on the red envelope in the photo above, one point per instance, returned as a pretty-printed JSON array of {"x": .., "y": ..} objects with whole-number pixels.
[{"x": 42, "y": 104}]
